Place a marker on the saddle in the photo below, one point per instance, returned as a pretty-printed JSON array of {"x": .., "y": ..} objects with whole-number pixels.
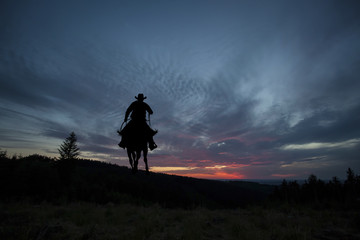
[{"x": 137, "y": 134}]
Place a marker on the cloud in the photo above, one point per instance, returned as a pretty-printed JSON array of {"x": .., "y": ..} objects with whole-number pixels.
[
  {"x": 235, "y": 83},
  {"x": 322, "y": 145},
  {"x": 171, "y": 169},
  {"x": 290, "y": 175}
]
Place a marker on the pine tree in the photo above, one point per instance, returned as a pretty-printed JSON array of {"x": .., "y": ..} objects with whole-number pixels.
[
  {"x": 68, "y": 149},
  {"x": 3, "y": 154},
  {"x": 350, "y": 177}
]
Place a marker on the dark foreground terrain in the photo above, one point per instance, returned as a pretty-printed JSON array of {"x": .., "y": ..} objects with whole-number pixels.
[
  {"x": 45, "y": 199},
  {"x": 130, "y": 221},
  {"x": 37, "y": 178}
]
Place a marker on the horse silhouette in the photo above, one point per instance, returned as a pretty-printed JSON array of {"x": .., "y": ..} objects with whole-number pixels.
[{"x": 136, "y": 142}]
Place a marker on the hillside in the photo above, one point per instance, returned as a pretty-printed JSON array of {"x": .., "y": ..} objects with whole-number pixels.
[
  {"x": 38, "y": 178},
  {"x": 41, "y": 198}
]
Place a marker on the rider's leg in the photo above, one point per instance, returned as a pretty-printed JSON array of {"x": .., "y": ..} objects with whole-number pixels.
[
  {"x": 152, "y": 144},
  {"x": 122, "y": 143},
  {"x": 125, "y": 133},
  {"x": 150, "y": 133}
]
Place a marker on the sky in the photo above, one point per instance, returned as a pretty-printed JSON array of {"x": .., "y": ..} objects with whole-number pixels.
[{"x": 239, "y": 89}]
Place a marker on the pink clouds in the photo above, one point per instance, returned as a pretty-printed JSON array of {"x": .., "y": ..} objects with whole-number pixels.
[
  {"x": 232, "y": 157},
  {"x": 208, "y": 169},
  {"x": 233, "y": 171},
  {"x": 208, "y": 163}
]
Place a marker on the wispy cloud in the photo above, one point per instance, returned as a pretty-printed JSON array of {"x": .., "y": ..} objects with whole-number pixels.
[
  {"x": 322, "y": 145},
  {"x": 238, "y": 90}
]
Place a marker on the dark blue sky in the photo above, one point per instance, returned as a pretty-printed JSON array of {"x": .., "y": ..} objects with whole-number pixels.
[{"x": 239, "y": 89}]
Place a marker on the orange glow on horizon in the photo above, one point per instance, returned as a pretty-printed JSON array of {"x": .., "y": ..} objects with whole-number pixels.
[
  {"x": 171, "y": 169},
  {"x": 211, "y": 171},
  {"x": 216, "y": 175}
]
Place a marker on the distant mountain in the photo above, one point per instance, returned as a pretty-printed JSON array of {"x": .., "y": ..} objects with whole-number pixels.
[{"x": 38, "y": 178}]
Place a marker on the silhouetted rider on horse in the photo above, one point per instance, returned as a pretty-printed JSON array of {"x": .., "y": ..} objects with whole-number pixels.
[{"x": 137, "y": 124}]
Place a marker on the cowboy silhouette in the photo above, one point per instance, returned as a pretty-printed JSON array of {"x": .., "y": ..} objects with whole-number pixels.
[{"x": 138, "y": 123}]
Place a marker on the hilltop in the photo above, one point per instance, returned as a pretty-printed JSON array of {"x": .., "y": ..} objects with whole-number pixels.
[
  {"x": 42, "y": 198},
  {"x": 38, "y": 178}
]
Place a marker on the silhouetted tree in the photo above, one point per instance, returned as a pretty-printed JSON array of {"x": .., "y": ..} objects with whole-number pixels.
[
  {"x": 284, "y": 190},
  {"x": 68, "y": 149},
  {"x": 321, "y": 194},
  {"x": 288, "y": 191},
  {"x": 310, "y": 188},
  {"x": 335, "y": 189},
  {"x": 3, "y": 154},
  {"x": 69, "y": 152},
  {"x": 350, "y": 177},
  {"x": 294, "y": 189},
  {"x": 350, "y": 185},
  {"x": 335, "y": 180},
  {"x": 357, "y": 186}
]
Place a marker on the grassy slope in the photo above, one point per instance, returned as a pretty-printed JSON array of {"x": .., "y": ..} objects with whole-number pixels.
[
  {"x": 41, "y": 179},
  {"x": 103, "y": 201},
  {"x": 127, "y": 221}
]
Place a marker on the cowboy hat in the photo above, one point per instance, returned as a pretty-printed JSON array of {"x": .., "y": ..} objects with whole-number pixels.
[{"x": 140, "y": 96}]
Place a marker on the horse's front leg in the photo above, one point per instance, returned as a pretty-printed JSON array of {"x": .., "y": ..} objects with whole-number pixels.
[
  {"x": 136, "y": 162},
  {"x": 131, "y": 161},
  {"x": 145, "y": 160}
]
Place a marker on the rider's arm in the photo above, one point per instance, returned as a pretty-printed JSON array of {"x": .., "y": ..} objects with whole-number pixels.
[
  {"x": 148, "y": 109},
  {"x": 128, "y": 111}
]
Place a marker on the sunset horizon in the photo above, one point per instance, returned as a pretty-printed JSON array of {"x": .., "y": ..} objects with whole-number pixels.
[{"x": 238, "y": 89}]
